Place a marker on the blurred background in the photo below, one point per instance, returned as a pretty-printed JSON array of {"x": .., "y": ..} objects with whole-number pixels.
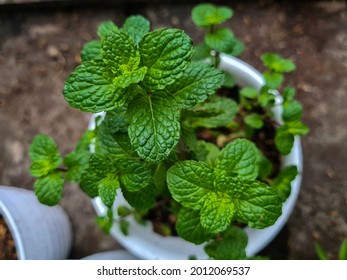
[{"x": 40, "y": 42}]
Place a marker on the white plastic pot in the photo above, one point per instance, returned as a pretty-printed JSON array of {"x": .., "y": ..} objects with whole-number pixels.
[
  {"x": 111, "y": 255},
  {"x": 40, "y": 232},
  {"x": 145, "y": 244}
]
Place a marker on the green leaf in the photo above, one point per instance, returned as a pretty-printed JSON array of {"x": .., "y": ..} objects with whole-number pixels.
[
  {"x": 119, "y": 52},
  {"x": 141, "y": 200},
  {"x": 205, "y": 151},
  {"x": 105, "y": 222},
  {"x": 197, "y": 83},
  {"x": 256, "y": 204},
  {"x": 229, "y": 80},
  {"x": 76, "y": 162},
  {"x": 343, "y": 250},
  {"x": 216, "y": 111},
  {"x": 188, "y": 226},
  {"x": 91, "y": 50},
  {"x": 189, "y": 182},
  {"x": 124, "y": 211},
  {"x": 154, "y": 126},
  {"x": 284, "y": 140},
  {"x": 89, "y": 183},
  {"x": 249, "y": 92},
  {"x": 266, "y": 97},
  {"x": 124, "y": 227},
  {"x": 90, "y": 88},
  {"x": 105, "y": 28},
  {"x": 223, "y": 40},
  {"x": 100, "y": 178},
  {"x": 254, "y": 120},
  {"x": 217, "y": 212},
  {"x": 241, "y": 157},
  {"x": 134, "y": 175},
  {"x": 288, "y": 93},
  {"x": 282, "y": 183},
  {"x": 133, "y": 77},
  {"x": 276, "y": 63},
  {"x": 292, "y": 111},
  {"x": 273, "y": 79},
  {"x": 265, "y": 167},
  {"x": 296, "y": 128},
  {"x": 44, "y": 155},
  {"x": 320, "y": 252},
  {"x": 107, "y": 188},
  {"x": 101, "y": 165},
  {"x": 136, "y": 27},
  {"x": 205, "y": 15},
  {"x": 166, "y": 53},
  {"x": 49, "y": 189},
  {"x": 201, "y": 52},
  {"x": 232, "y": 245}
]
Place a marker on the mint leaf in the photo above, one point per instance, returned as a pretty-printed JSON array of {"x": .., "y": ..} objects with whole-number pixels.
[
  {"x": 197, "y": 83},
  {"x": 89, "y": 183},
  {"x": 105, "y": 223},
  {"x": 154, "y": 126},
  {"x": 296, "y": 127},
  {"x": 105, "y": 28},
  {"x": 288, "y": 93},
  {"x": 217, "y": 212},
  {"x": 91, "y": 50},
  {"x": 133, "y": 77},
  {"x": 189, "y": 182},
  {"x": 229, "y": 80},
  {"x": 241, "y": 157},
  {"x": 166, "y": 53},
  {"x": 277, "y": 63},
  {"x": 205, "y": 15},
  {"x": 134, "y": 175},
  {"x": 141, "y": 200},
  {"x": 232, "y": 245},
  {"x": 254, "y": 120},
  {"x": 188, "y": 226},
  {"x": 205, "y": 151},
  {"x": 44, "y": 155},
  {"x": 136, "y": 27},
  {"x": 266, "y": 97},
  {"x": 107, "y": 188},
  {"x": 343, "y": 250},
  {"x": 223, "y": 40},
  {"x": 215, "y": 112},
  {"x": 284, "y": 140},
  {"x": 49, "y": 189},
  {"x": 90, "y": 88},
  {"x": 292, "y": 111},
  {"x": 256, "y": 204},
  {"x": 249, "y": 92},
  {"x": 282, "y": 183},
  {"x": 76, "y": 162},
  {"x": 119, "y": 52},
  {"x": 201, "y": 52},
  {"x": 265, "y": 167},
  {"x": 273, "y": 79}
]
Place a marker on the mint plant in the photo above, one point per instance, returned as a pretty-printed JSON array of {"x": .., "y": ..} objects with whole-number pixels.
[{"x": 168, "y": 136}]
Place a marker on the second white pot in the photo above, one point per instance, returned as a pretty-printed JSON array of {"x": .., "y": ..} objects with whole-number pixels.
[{"x": 40, "y": 232}]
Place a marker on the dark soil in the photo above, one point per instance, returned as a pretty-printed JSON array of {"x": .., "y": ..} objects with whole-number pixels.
[{"x": 7, "y": 246}]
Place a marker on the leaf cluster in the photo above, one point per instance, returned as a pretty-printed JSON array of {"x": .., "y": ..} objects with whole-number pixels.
[{"x": 157, "y": 101}]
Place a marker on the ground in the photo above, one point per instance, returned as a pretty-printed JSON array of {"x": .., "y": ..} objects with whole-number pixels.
[{"x": 39, "y": 47}]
